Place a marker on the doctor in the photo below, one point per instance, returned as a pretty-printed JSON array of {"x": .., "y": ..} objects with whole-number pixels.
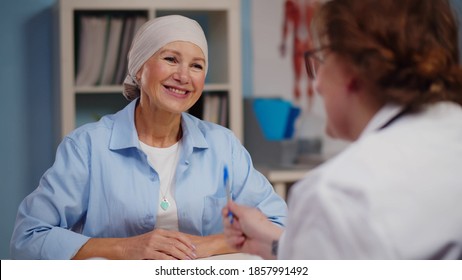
[{"x": 392, "y": 83}]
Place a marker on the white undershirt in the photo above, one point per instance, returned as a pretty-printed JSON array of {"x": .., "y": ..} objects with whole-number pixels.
[{"x": 164, "y": 161}]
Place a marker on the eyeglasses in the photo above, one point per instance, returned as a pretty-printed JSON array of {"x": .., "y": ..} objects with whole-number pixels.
[{"x": 313, "y": 59}]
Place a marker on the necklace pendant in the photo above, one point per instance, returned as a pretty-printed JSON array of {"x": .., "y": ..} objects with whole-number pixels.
[{"x": 164, "y": 204}]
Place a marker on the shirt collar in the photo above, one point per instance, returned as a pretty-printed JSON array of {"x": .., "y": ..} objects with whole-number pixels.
[
  {"x": 192, "y": 133},
  {"x": 385, "y": 114},
  {"x": 124, "y": 134}
]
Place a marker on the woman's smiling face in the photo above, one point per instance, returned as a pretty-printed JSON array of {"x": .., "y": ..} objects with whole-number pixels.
[{"x": 172, "y": 80}]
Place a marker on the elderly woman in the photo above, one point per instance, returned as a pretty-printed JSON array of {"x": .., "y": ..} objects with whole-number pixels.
[
  {"x": 146, "y": 182},
  {"x": 391, "y": 81}
]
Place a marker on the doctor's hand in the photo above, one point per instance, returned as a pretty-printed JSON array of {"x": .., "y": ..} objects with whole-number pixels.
[{"x": 250, "y": 231}]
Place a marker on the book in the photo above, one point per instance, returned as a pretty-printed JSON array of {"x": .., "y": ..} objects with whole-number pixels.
[
  {"x": 207, "y": 111},
  {"x": 87, "y": 26},
  {"x": 127, "y": 35},
  {"x": 132, "y": 24},
  {"x": 215, "y": 108},
  {"x": 113, "y": 35},
  {"x": 223, "y": 119},
  {"x": 91, "y": 49}
]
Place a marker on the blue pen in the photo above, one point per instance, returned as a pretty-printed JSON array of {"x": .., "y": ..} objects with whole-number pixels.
[{"x": 228, "y": 190}]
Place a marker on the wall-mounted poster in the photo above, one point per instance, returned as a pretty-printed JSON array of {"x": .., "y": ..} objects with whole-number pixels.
[{"x": 280, "y": 36}]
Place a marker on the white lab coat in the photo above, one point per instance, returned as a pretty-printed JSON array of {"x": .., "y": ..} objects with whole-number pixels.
[{"x": 395, "y": 193}]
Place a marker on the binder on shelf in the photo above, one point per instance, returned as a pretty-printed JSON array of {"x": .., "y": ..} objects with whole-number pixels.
[
  {"x": 223, "y": 119},
  {"x": 207, "y": 108},
  {"x": 104, "y": 42},
  {"x": 113, "y": 38},
  {"x": 215, "y": 101},
  {"x": 215, "y": 108},
  {"x": 125, "y": 41},
  {"x": 131, "y": 25},
  {"x": 91, "y": 49}
]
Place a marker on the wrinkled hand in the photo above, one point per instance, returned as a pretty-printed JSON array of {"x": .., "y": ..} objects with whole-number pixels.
[
  {"x": 210, "y": 245},
  {"x": 159, "y": 244},
  {"x": 251, "y": 231}
]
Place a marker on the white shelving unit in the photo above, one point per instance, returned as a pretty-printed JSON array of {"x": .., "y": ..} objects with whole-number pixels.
[{"x": 222, "y": 27}]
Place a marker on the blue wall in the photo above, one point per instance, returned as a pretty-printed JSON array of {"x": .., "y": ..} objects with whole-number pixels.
[{"x": 26, "y": 142}]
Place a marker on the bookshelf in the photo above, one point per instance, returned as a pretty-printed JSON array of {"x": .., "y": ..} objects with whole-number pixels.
[{"x": 83, "y": 99}]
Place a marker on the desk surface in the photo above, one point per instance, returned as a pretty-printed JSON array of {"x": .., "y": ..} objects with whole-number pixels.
[
  {"x": 234, "y": 256},
  {"x": 292, "y": 172},
  {"x": 283, "y": 176}
]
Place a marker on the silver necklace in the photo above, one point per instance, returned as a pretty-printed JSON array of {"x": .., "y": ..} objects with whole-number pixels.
[{"x": 164, "y": 203}]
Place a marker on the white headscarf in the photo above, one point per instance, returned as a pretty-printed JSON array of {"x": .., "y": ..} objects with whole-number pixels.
[{"x": 152, "y": 36}]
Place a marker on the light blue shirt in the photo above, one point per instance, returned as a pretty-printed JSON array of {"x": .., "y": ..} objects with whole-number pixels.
[{"x": 101, "y": 185}]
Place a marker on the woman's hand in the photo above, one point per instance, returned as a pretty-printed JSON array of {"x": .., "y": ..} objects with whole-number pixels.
[
  {"x": 158, "y": 244},
  {"x": 251, "y": 231},
  {"x": 210, "y": 245}
]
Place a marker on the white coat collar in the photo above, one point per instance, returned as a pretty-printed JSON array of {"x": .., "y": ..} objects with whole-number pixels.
[{"x": 385, "y": 114}]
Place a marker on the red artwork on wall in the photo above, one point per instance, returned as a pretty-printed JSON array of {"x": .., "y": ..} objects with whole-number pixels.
[{"x": 296, "y": 22}]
